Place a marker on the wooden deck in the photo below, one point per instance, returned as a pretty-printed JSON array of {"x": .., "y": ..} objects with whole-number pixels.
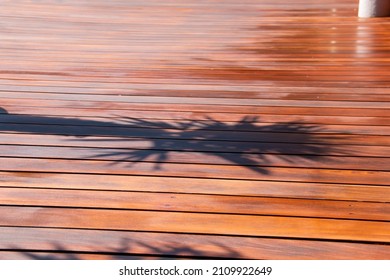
[{"x": 252, "y": 129}]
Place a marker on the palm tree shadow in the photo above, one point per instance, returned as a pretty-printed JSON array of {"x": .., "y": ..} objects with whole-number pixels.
[
  {"x": 243, "y": 143},
  {"x": 127, "y": 249},
  {"x": 247, "y": 142}
]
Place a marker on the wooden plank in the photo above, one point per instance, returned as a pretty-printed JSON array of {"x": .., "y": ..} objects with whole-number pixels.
[
  {"x": 180, "y": 245},
  {"x": 176, "y": 222},
  {"x": 195, "y": 203},
  {"x": 298, "y": 134},
  {"x": 220, "y": 94},
  {"x": 98, "y": 136},
  {"x": 203, "y": 101},
  {"x": 196, "y": 185},
  {"x": 274, "y": 156},
  {"x": 99, "y": 88},
  {"x": 199, "y": 171},
  {"x": 195, "y": 108},
  {"x": 105, "y": 115},
  {"x": 55, "y": 255},
  {"x": 203, "y": 146},
  {"x": 195, "y": 125}
]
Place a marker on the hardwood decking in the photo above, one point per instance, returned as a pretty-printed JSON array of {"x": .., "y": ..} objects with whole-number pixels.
[{"x": 250, "y": 129}]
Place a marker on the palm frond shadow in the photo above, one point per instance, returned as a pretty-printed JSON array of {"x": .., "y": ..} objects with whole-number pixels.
[
  {"x": 246, "y": 142},
  {"x": 129, "y": 249}
]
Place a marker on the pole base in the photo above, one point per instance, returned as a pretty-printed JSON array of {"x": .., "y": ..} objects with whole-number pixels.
[{"x": 374, "y": 8}]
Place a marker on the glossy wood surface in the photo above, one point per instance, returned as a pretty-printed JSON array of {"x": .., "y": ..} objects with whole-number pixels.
[{"x": 251, "y": 129}]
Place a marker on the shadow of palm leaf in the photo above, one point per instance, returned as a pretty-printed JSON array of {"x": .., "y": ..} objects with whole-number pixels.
[
  {"x": 127, "y": 249},
  {"x": 246, "y": 142}
]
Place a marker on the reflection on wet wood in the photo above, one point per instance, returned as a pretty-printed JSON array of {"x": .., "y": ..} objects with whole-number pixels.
[{"x": 199, "y": 129}]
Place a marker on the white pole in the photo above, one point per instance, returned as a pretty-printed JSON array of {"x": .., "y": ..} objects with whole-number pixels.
[{"x": 374, "y": 8}]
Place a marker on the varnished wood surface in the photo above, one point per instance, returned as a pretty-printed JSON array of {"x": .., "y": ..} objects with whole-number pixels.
[{"x": 194, "y": 129}]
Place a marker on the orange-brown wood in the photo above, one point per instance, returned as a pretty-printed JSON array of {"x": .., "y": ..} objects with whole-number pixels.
[
  {"x": 346, "y": 192},
  {"x": 42, "y": 243},
  {"x": 196, "y": 203},
  {"x": 198, "y": 223},
  {"x": 251, "y": 129}
]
